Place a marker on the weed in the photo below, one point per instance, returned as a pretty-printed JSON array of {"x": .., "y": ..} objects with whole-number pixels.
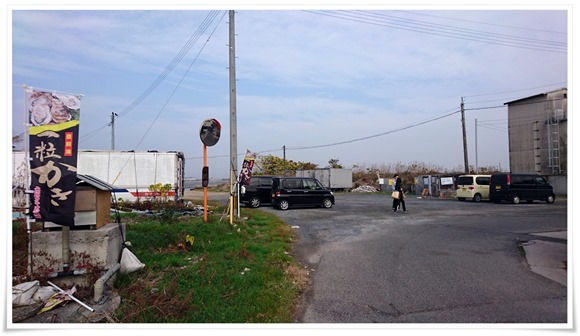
[{"x": 237, "y": 273}]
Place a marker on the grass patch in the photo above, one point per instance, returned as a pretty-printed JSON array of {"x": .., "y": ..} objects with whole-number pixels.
[{"x": 231, "y": 273}]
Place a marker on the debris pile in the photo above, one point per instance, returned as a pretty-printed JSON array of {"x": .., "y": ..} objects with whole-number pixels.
[{"x": 365, "y": 188}]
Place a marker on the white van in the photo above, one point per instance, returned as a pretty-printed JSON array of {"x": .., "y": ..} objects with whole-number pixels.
[{"x": 473, "y": 187}]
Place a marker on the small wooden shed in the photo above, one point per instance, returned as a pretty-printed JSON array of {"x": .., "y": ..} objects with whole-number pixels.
[{"x": 92, "y": 204}]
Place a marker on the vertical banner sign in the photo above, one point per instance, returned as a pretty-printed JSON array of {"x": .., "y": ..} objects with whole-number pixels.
[
  {"x": 247, "y": 166},
  {"x": 54, "y": 134}
]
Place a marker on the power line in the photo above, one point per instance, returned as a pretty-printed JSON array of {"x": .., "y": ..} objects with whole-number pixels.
[
  {"x": 358, "y": 139},
  {"x": 168, "y": 69},
  {"x": 375, "y": 135},
  {"x": 448, "y": 31},
  {"x": 467, "y": 30},
  {"x": 387, "y": 132},
  {"x": 484, "y": 108},
  {"x": 179, "y": 83},
  {"x": 176, "y": 87},
  {"x": 174, "y": 62},
  {"x": 512, "y": 91},
  {"x": 485, "y": 23},
  {"x": 492, "y": 128},
  {"x": 503, "y": 122},
  {"x": 93, "y": 132}
]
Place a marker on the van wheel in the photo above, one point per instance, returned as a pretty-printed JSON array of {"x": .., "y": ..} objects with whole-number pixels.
[
  {"x": 327, "y": 203},
  {"x": 477, "y": 198},
  {"x": 550, "y": 199},
  {"x": 254, "y": 202},
  {"x": 516, "y": 199},
  {"x": 283, "y": 205}
]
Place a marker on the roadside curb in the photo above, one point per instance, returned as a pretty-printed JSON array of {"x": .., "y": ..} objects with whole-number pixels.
[{"x": 548, "y": 258}]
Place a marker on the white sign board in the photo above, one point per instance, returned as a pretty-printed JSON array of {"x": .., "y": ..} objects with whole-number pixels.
[{"x": 446, "y": 180}]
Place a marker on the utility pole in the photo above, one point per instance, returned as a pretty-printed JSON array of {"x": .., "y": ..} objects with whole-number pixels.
[
  {"x": 465, "y": 162},
  {"x": 113, "y": 114},
  {"x": 233, "y": 121},
  {"x": 476, "y": 164},
  {"x": 284, "y": 156}
]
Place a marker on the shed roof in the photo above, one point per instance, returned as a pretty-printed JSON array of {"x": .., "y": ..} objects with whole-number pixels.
[{"x": 97, "y": 183}]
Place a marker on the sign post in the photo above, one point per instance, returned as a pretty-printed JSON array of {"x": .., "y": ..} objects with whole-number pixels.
[{"x": 209, "y": 135}]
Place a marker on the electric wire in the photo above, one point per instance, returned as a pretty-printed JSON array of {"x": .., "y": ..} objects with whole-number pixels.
[
  {"x": 180, "y": 81},
  {"x": 213, "y": 15},
  {"x": 512, "y": 91},
  {"x": 174, "y": 62},
  {"x": 369, "y": 18},
  {"x": 492, "y": 128},
  {"x": 173, "y": 92},
  {"x": 93, "y": 132},
  {"x": 515, "y": 122},
  {"x": 412, "y": 22},
  {"x": 163, "y": 75},
  {"x": 483, "y": 23},
  {"x": 457, "y": 33},
  {"x": 357, "y": 139},
  {"x": 375, "y": 135}
]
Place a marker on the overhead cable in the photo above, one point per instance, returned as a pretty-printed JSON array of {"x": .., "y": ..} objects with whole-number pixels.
[
  {"x": 358, "y": 139},
  {"x": 483, "y": 23},
  {"x": 168, "y": 69},
  {"x": 447, "y": 31},
  {"x": 179, "y": 83}
]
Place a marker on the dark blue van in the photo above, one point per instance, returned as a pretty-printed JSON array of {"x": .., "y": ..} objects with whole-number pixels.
[
  {"x": 515, "y": 188},
  {"x": 300, "y": 191}
]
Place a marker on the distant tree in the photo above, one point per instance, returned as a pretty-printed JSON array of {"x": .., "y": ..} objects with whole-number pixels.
[
  {"x": 333, "y": 163},
  {"x": 305, "y": 166},
  {"x": 273, "y": 165}
]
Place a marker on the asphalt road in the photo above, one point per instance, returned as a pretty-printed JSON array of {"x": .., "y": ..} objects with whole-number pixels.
[{"x": 443, "y": 262}]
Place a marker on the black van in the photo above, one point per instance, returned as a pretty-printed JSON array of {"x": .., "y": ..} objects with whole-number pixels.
[
  {"x": 258, "y": 192},
  {"x": 520, "y": 187},
  {"x": 300, "y": 191}
]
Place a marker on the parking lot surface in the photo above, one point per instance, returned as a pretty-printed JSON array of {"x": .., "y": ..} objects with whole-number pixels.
[{"x": 444, "y": 261}]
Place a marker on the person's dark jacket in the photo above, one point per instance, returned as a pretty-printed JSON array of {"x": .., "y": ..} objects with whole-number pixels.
[{"x": 399, "y": 186}]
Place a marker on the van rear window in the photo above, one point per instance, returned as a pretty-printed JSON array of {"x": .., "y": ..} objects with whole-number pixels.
[{"x": 465, "y": 180}]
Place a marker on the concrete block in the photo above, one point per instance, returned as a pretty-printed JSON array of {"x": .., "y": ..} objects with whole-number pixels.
[{"x": 87, "y": 249}]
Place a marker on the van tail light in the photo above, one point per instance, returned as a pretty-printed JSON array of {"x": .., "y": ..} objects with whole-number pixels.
[
  {"x": 508, "y": 179},
  {"x": 277, "y": 193},
  {"x": 471, "y": 188}
]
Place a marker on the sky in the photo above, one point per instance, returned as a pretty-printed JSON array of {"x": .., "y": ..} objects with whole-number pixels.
[{"x": 369, "y": 86}]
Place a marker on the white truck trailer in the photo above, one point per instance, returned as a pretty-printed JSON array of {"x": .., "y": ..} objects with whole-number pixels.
[
  {"x": 131, "y": 172},
  {"x": 331, "y": 178}
]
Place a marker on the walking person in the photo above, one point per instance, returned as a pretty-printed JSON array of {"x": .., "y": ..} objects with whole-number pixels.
[{"x": 399, "y": 202}]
